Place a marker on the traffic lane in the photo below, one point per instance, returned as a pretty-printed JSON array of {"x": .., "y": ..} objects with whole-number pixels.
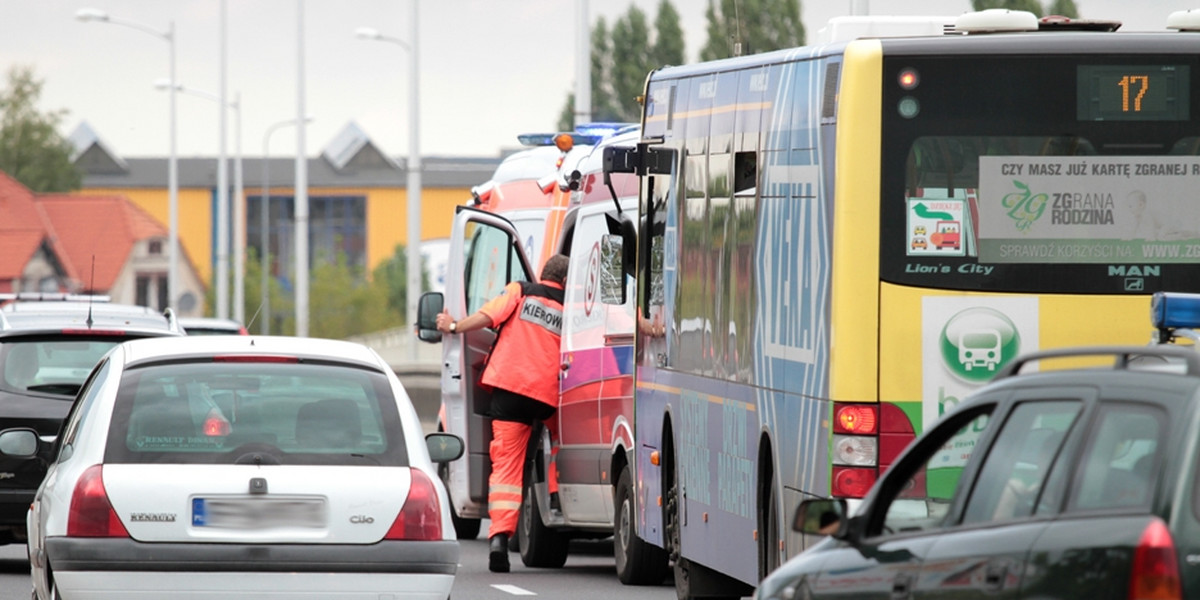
[
  {"x": 14, "y": 573},
  {"x": 588, "y": 574}
]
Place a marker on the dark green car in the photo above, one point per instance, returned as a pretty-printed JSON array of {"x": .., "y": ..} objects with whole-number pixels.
[{"x": 1075, "y": 480}]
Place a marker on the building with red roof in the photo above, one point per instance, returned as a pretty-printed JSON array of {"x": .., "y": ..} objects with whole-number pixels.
[{"x": 101, "y": 244}]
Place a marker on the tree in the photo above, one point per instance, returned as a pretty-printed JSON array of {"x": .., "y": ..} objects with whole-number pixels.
[
  {"x": 668, "y": 43},
  {"x": 1065, "y": 8},
  {"x": 31, "y": 149},
  {"x": 392, "y": 276},
  {"x": 252, "y": 304},
  {"x": 622, "y": 59},
  {"x": 758, "y": 25},
  {"x": 631, "y": 62},
  {"x": 344, "y": 304}
]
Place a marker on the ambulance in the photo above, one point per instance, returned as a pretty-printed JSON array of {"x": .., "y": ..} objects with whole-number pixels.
[{"x": 573, "y": 486}]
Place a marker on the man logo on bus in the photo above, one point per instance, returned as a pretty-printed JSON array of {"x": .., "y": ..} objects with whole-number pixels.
[{"x": 977, "y": 341}]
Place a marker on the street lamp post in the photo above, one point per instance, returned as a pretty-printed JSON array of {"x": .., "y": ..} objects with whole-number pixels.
[
  {"x": 264, "y": 231},
  {"x": 239, "y": 204},
  {"x": 414, "y": 165},
  {"x": 222, "y": 188},
  {"x": 88, "y": 15}
]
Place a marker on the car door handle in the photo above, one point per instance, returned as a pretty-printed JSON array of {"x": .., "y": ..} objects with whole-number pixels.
[
  {"x": 902, "y": 586},
  {"x": 994, "y": 578}
]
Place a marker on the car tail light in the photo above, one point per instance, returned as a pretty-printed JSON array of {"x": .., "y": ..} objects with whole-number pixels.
[
  {"x": 255, "y": 358},
  {"x": 216, "y": 425},
  {"x": 93, "y": 332},
  {"x": 1155, "y": 566},
  {"x": 421, "y": 517},
  {"x": 852, "y": 483},
  {"x": 91, "y": 513}
]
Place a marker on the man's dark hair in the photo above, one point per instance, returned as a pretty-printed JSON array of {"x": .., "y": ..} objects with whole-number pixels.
[{"x": 556, "y": 269}]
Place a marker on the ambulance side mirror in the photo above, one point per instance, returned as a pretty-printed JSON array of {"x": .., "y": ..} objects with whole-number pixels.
[
  {"x": 428, "y": 308},
  {"x": 612, "y": 280}
]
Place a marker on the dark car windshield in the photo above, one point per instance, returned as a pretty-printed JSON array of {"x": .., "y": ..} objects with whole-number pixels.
[
  {"x": 211, "y": 412},
  {"x": 50, "y": 366}
]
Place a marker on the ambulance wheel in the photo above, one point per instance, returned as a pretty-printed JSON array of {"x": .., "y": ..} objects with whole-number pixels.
[{"x": 541, "y": 546}]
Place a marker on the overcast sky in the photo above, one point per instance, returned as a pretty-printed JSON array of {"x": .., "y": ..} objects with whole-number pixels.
[{"x": 489, "y": 69}]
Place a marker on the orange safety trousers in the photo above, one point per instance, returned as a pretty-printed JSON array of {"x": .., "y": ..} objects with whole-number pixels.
[
  {"x": 510, "y": 439},
  {"x": 507, "y": 451}
]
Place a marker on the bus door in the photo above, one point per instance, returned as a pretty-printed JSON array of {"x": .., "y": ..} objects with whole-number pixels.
[{"x": 486, "y": 250}]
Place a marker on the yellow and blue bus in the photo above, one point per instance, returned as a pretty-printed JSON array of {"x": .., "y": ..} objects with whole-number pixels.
[{"x": 838, "y": 242}]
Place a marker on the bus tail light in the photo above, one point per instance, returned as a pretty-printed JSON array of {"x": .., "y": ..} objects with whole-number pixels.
[
  {"x": 1155, "y": 566},
  {"x": 856, "y": 450},
  {"x": 856, "y": 419},
  {"x": 852, "y": 482},
  {"x": 421, "y": 517},
  {"x": 91, "y": 513},
  {"x": 895, "y": 433}
]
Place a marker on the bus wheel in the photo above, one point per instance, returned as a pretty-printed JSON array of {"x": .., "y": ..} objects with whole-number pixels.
[
  {"x": 540, "y": 546},
  {"x": 638, "y": 562},
  {"x": 768, "y": 533},
  {"x": 688, "y": 587}
]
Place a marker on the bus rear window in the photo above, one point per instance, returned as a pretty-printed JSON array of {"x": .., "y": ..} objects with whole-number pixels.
[{"x": 990, "y": 189}]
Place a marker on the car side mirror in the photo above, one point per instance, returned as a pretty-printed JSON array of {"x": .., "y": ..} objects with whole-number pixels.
[
  {"x": 444, "y": 447},
  {"x": 428, "y": 308},
  {"x": 19, "y": 443},
  {"x": 821, "y": 516}
]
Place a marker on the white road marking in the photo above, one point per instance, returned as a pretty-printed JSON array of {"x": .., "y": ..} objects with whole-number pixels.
[{"x": 514, "y": 590}]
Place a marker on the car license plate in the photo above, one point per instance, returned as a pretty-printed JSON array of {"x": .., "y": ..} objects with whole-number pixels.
[{"x": 258, "y": 513}]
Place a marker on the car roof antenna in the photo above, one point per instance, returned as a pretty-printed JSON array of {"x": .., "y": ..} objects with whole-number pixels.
[
  {"x": 92, "y": 289},
  {"x": 255, "y": 315}
]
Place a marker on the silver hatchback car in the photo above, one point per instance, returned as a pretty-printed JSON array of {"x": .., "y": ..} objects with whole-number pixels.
[{"x": 241, "y": 467}]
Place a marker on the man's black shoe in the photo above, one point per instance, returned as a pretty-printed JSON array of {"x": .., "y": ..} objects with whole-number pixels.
[{"x": 498, "y": 553}]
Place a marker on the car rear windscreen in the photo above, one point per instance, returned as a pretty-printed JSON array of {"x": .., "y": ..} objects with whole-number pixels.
[
  {"x": 255, "y": 413},
  {"x": 50, "y": 365}
]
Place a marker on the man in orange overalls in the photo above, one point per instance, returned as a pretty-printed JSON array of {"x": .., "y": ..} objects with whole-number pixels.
[{"x": 522, "y": 371}]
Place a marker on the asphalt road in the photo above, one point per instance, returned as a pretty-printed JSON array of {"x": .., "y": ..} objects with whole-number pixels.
[{"x": 588, "y": 575}]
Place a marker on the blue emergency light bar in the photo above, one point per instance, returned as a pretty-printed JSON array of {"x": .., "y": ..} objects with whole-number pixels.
[
  {"x": 1173, "y": 310},
  {"x": 587, "y": 134},
  {"x": 537, "y": 139},
  {"x": 603, "y": 129}
]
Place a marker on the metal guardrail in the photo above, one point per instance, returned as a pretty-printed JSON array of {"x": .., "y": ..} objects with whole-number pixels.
[{"x": 395, "y": 346}]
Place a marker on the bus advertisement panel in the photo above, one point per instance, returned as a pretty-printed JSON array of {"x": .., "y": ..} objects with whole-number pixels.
[{"x": 839, "y": 242}]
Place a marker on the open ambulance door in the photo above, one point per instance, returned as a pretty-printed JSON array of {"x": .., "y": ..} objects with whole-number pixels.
[{"x": 485, "y": 255}]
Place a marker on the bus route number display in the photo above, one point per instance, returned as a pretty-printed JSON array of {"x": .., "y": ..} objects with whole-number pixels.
[{"x": 1133, "y": 93}]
